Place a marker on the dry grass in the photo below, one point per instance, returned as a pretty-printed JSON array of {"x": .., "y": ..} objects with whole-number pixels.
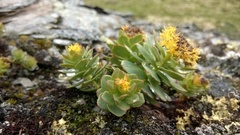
[{"x": 222, "y": 15}]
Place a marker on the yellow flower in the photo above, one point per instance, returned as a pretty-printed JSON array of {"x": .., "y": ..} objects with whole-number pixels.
[
  {"x": 123, "y": 83},
  {"x": 75, "y": 48},
  {"x": 178, "y": 46},
  {"x": 169, "y": 39}
]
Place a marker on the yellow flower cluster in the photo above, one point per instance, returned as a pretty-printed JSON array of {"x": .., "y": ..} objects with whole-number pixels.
[
  {"x": 123, "y": 83},
  {"x": 74, "y": 48},
  {"x": 178, "y": 46},
  {"x": 169, "y": 39}
]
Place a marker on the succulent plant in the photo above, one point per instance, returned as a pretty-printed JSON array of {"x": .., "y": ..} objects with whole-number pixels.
[
  {"x": 159, "y": 64},
  {"x": 120, "y": 92},
  {"x": 86, "y": 69},
  {"x": 143, "y": 68},
  {"x": 25, "y": 60},
  {"x": 4, "y": 65}
]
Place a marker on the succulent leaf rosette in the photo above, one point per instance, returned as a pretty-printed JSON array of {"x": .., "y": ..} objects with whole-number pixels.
[
  {"x": 120, "y": 92},
  {"x": 25, "y": 60},
  {"x": 85, "y": 67}
]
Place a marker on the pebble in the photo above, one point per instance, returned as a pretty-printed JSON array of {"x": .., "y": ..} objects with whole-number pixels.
[
  {"x": 62, "y": 42},
  {"x": 25, "y": 82}
]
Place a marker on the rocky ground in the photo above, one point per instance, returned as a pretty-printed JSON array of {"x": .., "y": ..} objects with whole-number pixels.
[{"x": 38, "y": 102}]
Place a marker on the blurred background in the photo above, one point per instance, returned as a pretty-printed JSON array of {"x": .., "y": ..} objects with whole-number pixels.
[{"x": 218, "y": 15}]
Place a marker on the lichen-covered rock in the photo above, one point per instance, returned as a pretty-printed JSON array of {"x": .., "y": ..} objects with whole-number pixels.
[{"x": 60, "y": 20}]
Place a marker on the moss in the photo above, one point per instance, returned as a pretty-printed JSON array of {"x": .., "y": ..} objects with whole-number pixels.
[
  {"x": 37, "y": 43},
  {"x": 80, "y": 118},
  {"x": 43, "y": 43},
  {"x": 12, "y": 101},
  {"x": 19, "y": 95}
]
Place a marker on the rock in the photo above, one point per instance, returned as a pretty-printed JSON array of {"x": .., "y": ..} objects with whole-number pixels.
[
  {"x": 25, "y": 82},
  {"x": 62, "y": 20},
  {"x": 220, "y": 85},
  {"x": 62, "y": 42},
  {"x": 13, "y": 6},
  {"x": 2, "y": 114}
]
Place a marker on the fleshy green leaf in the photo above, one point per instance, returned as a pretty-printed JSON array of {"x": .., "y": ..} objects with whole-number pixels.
[
  {"x": 133, "y": 69},
  {"x": 111, "y": 87},
  {"x": 163, "y": 77},
  {"x": 93, "y": 61},
  {"x": 117, "y": 73},
  {"x": 139, "y": 83},
  {"x": 172, "y": 74},
  {"x": 139, "y": 102},
  {"x": 177, "y": 86},
  {"x": 134, "y": 54},
  {"x": 107, "y": 97},
  {"x": 147, "y": 91},
  {"x": 136, "y": 39},
  {"x": 116, "y": 110},
  {"x": 133, "y": 89},
  {"x": 110, "y": 46},
  {"x": 158, "y": 45},
  {"x": 121, "y": 52},
  {"x": 81, "y": 65},
  {"x": 132, "y": 99},
  {"x": 104, "y": 80},
  {"x": 102, "y": 104},
  {"x": 68, "y": 65},
  {"x": 155, "y": 87},
  {"x": 132, "y": 76},
  {"x": 121, "y": 104},
  {"x": 151, "y": 100},
  {"x": 99, "y": 92},
  {"x": 87, "y": 53},
  {"x": 149, "y": 57},
  {"x": 151, "y": 71},
  {"x": 156, "y": 53},
  {"x": 170, "y": 81},
  {"x": 115, "y": 61},
  {"x": 77, "y": 76},
  {"x": 90, "y": 71},
  {"x": 123, "y": 40}
]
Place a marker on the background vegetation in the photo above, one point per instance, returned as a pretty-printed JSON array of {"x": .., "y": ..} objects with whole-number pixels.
[{"x": 220, "y": 15}]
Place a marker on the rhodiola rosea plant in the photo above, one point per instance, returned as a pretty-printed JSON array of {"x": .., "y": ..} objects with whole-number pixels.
[{"x": 138, "y": 69}]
